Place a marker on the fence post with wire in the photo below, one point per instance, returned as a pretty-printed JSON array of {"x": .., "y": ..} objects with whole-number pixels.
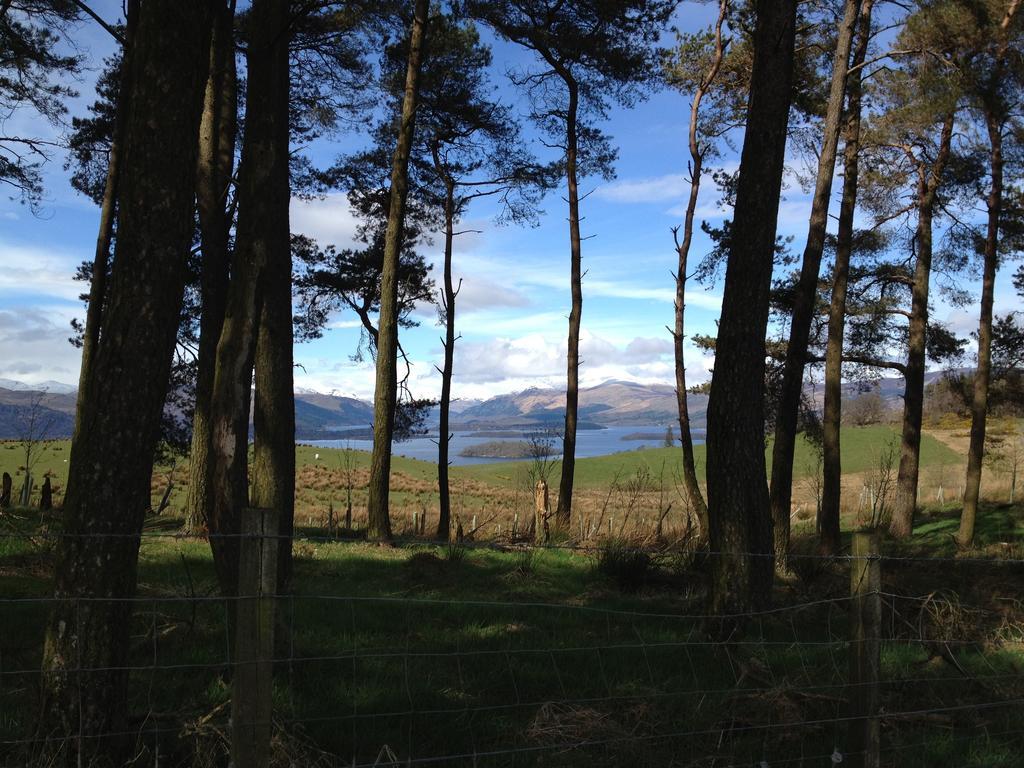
[
  {"x": 252, "y": 681},
  {"x": 865, "y": 648}
]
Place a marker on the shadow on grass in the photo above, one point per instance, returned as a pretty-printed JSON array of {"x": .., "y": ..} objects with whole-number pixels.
[{"x": 509, "y": 660}]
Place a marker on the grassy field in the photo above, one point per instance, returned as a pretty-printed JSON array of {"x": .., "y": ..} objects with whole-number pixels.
[
  {"x": 512, "y": 654},
  {"x": 496, "y": 654},
  {"x": 625, "y": 489}
]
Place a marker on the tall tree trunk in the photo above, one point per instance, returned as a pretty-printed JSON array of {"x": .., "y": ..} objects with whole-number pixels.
[
  {"x": 693, "y": 493},
  {"x": 108, "y": 212},
  {"x": 448, "y": 305},
  {"x": 905, "y": 506},
  {"x": 831, "y": 494},
  {"x": 737, "y": 486},
  {"x": 274, "y": 413},
  {"x": 563, "y": 512},
  {"x": 994, "y": 119},
  {"x": 385, "y": 395},
  {"x": 257, "y": 246},
  {"x": 805, "y": 298},
  {"x": 979, "y": 404},
  {"x": 215, "y": 167},
  {"x": 112, "y": 453}
]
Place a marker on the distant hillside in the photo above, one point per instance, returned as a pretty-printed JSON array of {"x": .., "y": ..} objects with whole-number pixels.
[
  {"x": 612, "y": 403},
  {"x": 317, "y": 416},
  {"x": 320, "y": 416},
  {"x": 48, "y": 422}
]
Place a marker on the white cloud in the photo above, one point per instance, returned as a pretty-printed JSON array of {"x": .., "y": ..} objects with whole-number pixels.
[
  {"x": 329, "y": 220},
  {"x": 35, "y": 344},
  {"x": 620, "y": 290},
  {"x": 479, "y": 294},
  {"x": 341, "y": 324},
  {"x": 656, "y": 189},
  {"x": 643, "y": 350},
  {"x": 529, "y": 357},
  {"x": 30, "y": 270}
]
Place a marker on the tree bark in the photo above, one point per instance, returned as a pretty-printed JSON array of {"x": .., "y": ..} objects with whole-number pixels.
[
  {"x": 563, "y": 512},
  {"x": 108, "y": 212},
  {"x": 693, "y": 493},
  {"x": 737, "y": 487},
  {"x": 216, "y": 163},
  {"x": 448, "y": 304},
  {"x": 273, "y": 471},
  {"x": 979, "y": 403},
  {"x": 831, "y": 494},
  {"x": 902, "y": 524},
  {"x": 994, "y": 119},
  {"x": 385, "y": 396},
  {"x": 257, "y": 246},
  {"x": 108, "y": 488},
  {"x": 806, "y": 294}
]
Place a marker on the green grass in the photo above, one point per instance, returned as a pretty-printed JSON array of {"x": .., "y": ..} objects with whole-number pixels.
[
  {"x": 476, "y": 647},
  {"x": 467, "y": 653},
  {"x": 861, "y": 449}
]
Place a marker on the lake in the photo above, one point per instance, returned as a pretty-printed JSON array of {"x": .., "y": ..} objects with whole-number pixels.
[{"x": 589, "y": 442}]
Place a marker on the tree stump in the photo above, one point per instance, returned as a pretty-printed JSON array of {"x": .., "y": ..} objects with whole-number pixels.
[
  {"x": 542, "y": 511},
  {"x": 26, "y": 490},
  {"x": 46, "y": 495}
]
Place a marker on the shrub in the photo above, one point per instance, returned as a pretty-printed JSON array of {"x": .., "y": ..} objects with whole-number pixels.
[{"x": 625, "y": 563}]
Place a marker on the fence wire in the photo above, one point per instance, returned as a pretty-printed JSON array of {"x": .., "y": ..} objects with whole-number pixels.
[{"x": 413, "y": 678}]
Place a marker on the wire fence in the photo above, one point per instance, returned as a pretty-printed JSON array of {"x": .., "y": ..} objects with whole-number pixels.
[{"x": 372, "y": 665}]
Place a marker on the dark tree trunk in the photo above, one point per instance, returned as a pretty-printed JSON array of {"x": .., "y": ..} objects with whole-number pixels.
[
  {"x": 979, "y": 404},
  {"x": 737, "y": 487},
  {"x": 108, "y": 212},
  {"x": 257, "y": 250},
  {"x": 806, "y": 294},
  {"x": 448, "y": 305},
  {"x": 273, "y": 472},
  {"x": 905, "y": 506},
  {"x": 108, "y": 487},
  {"x": 215, "y": 167},
  {"x": 831, "y": 495},
  {"x": 385, "y": 395},
  {"x": 696, "y": 499},
  {"x": 563, "y": 512},
  {"x": 46, "y": 495}
]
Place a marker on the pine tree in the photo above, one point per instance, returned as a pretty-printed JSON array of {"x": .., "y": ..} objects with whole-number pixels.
[
  {"x": 112, "y": 453},
  {"x": 806, "y": 291},
  {"x": 588, "y": 54},
  {"x": 385, "y": 394},
  {"x": 740, "y": 521}
]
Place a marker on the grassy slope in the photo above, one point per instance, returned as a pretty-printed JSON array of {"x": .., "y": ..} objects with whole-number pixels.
[
  {"x": 482, "y": 490},
  {"x": 861, "y": 448}
]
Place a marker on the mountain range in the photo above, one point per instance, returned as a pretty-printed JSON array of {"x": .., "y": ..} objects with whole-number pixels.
[{"x": 323, "y": 416}]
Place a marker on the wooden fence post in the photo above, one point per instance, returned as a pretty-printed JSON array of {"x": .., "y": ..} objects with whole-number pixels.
[
  {"x": 541, "y": 511},
  {"x": 865, "y": 650},
  {"x": 254, "y": 640}
]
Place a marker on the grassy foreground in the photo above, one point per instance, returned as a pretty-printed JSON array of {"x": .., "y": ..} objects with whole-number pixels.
[
  {"x": 514, "y": 656},
  {"x": 511, "y": 656}
]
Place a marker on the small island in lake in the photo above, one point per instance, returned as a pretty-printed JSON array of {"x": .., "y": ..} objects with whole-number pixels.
[
  {"x": 634, "y": 436},
  {"x": 502, "y": 449}
]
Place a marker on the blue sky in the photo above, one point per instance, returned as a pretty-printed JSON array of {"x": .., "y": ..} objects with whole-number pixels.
[{"x": 515, "y": 296}]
